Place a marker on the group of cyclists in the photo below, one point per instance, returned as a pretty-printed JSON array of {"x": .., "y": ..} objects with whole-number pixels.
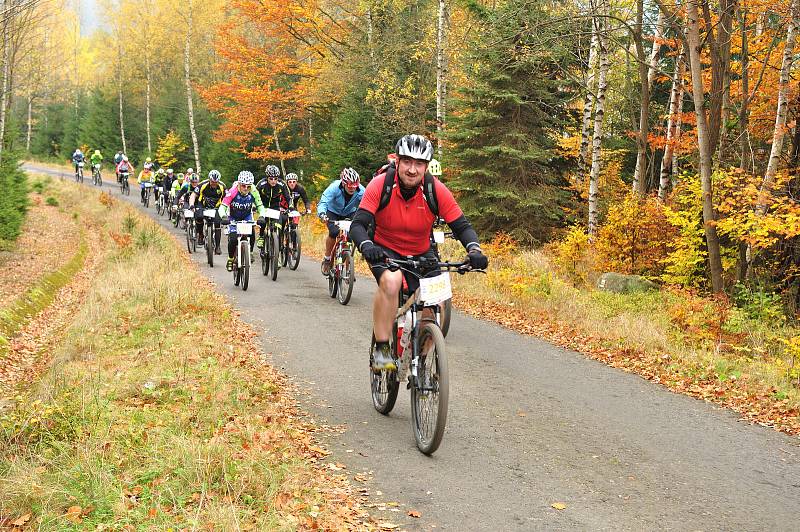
[{"x": 391, "y": 218}]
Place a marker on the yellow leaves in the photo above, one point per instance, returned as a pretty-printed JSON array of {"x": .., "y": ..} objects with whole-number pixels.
[{"x": 559, "y": 506}]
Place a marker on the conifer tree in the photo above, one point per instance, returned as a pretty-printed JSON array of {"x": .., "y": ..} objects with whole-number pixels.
[{"x": 503, "y": 127}]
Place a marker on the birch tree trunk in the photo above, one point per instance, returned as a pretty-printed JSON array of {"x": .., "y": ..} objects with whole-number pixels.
[
  {"x": 779, "y": 130},
  {"x": 441, "y": 75},
  {"x": 119, "y": 97},
  {"x": 189, "y": 102},
  {"x": 782, "y": 110},
  {"x": 370, "y": 45},
  {"x": 588, "y": 104},
  {"x": 30, "y": 124},
  {"x": 4, "y": 98},
  {"x": 675, "y": 108},
  {"x": 639, "y": 186},
  {"x": 277, "y": 144},
  {"x": 597, "y": 134},
  {"x": 147, "y": 101},
  {"x": 704, "y": 145}
]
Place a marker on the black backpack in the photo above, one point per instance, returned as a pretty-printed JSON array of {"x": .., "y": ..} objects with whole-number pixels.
[{"x": 428, "y": 188}]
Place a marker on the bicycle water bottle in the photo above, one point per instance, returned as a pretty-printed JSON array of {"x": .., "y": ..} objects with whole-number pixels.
[{"x": 401, "y": 321}]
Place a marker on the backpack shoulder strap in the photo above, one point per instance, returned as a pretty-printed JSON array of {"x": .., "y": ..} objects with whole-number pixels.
[
  {"x": 388, "y": 185},
  {"x": 429, "y": 189}
]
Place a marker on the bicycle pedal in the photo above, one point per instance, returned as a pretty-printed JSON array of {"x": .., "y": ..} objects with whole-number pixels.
[{"x": 408, "y": 384}]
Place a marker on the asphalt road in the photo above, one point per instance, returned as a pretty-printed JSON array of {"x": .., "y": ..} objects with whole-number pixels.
[{"x": 529, "y": 425}]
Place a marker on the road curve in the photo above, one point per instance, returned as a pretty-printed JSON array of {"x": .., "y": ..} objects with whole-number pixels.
[{"x": 529, "y": 425}]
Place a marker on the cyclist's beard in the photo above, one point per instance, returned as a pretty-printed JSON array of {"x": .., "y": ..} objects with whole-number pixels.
[{"x": 407, "y": 193}]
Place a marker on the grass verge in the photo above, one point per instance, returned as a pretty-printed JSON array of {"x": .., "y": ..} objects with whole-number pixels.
[{"x": 158, "y": 411}]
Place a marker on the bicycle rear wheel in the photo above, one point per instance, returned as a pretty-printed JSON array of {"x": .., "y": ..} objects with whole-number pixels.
[
  {"x": 146, "y": 199},
  {"x": 333, "y": 286},
  {"x": 384, "y": 385},
  {"x": 346, "y": 278},
  {"x": 430, "y": 389},
  {"x": 285, "y": 248}
]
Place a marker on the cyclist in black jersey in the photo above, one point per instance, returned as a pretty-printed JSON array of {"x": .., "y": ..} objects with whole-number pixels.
[
  {"x": 298, "y": 192},
  {"x": 208, "y": 195}
]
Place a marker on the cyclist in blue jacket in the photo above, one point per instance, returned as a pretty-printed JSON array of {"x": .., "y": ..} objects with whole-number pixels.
[{"x": 339, "y": 201}]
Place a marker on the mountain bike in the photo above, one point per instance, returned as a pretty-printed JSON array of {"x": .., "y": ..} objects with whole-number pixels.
[
  {"x": 161, "y": 204},
  {"x": 189, "y": 227},
  {"x": 125, "y": 186},
  {"x": 79, "y": 172},
  {"x": 208, "y": 234},
  {"x": 418, "y": 345},
  {"x": 241, "y": 259},
  {"x": 146, "y": 199},
  {"x": 97, "y": 179},
  {"x": 342, "y": 274},
  {"x": 290, "y": 242},
  {"x": 270, "y": 249}
]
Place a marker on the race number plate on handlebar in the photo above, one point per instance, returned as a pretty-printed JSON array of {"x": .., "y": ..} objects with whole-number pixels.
[
  {"x": 438, "y": 237},
  {"x": 294, "y": 214},
  {"x": 344, "y": 225},
  {"x": 148, "y": 185},
  {"x": 434, "y": 290},
  {"x": 209, "y": 213},
  {"x": 273, "y": 214},
  {"x": 244, "y": 228},
  {"x": 188, "y": 213}
]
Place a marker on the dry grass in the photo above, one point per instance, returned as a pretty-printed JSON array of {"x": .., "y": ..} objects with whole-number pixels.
[{"x": 158, "y": 410}]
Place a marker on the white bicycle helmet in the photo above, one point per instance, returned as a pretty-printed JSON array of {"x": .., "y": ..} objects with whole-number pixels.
[
  {"x": 349, "y": 175},
  {"x": 415, "y": 147},
  {"x": 291, "y": 177},
  {"x": 272, "y": 171},
  {"x": 245, "y": 177},
  {"x": 435, "y": 167},
  {"x": 214, "y": 175}
]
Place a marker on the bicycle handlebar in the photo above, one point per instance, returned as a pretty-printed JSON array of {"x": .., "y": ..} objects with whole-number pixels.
[{"x": 430, "y": 264}]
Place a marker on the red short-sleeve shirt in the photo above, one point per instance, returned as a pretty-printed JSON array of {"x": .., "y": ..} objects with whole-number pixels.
[{"x": 405, "y": 226}]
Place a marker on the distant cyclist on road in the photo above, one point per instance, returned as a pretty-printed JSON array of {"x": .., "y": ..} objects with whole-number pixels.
[
  {"x": 96, "y": 159},
  {"x": 209, "y": 196},
  {"x": 77, "y": 157},
  {"x": 274, "y": 195},
  {"x": 339, "y": 201},
  {"x": 145, "y": 176},
  {"x": 298, "y": 192}
]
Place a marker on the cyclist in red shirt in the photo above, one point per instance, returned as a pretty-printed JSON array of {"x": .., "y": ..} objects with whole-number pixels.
[{"x": 403, "y": 228}]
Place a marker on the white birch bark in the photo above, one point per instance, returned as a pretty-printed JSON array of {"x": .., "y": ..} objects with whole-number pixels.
[
  {"x": 370, "y": 46},
  {"x": 641, "y": 153},
  {"x": 782, "y": 110},
  {"x": 588, "y": 103},
  {"x": 30, "y": 124},
  {"x": 119, "y": 97},
  {"x": 147, "y": 101},
  {"x": 597, "y": 134},
  {"x": 187, "y": 78},
  {"x": 441, "y": 75},
  {"x": 277, "y": 144},
  {"x": 4, "y": 98},
  {"x": 673, "y": 118}
]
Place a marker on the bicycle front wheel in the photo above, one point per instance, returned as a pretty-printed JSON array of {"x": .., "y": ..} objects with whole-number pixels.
[
  {"x": 294, "y": 258},
  {"x": 209, "y": 245},
  {"x": 189, "y": 229},
  {"x": 345, "y": 279},
  {"x": 430, "y": 389},
  {"x": 446, "y": 312},
  {"x": 245, "y": 253},
  {"x": 274, "y": 245}
]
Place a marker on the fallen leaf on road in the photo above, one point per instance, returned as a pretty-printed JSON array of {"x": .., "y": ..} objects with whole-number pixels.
[
  {"x": 414, "y": 513},
  {"x": 559, "y": 506},
  {"x": 521, "y": 414},
  {"x": 388, "y": 526}
]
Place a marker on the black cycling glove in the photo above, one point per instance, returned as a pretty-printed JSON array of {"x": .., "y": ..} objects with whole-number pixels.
[
  {"x": 372, "y": 253},
  {"x": 477, "y": 260}
]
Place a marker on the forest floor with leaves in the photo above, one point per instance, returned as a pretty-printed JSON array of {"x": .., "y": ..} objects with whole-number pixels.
[
  {"x": 692, "y": 344},
  {"x": 147, "y": 403}
]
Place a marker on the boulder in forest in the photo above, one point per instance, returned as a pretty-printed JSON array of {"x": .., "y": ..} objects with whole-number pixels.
[{"x": 624, "y": 284}]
